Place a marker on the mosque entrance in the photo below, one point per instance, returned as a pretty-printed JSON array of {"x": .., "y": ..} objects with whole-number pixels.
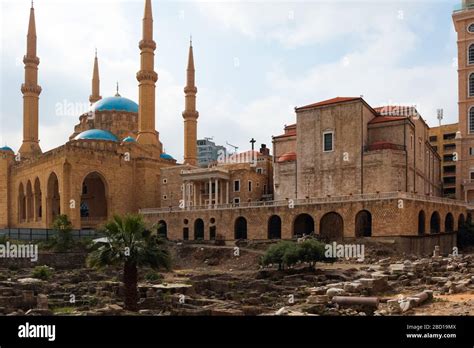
[
  {"x": 93, "y": 200},
  {"x": 53, "y": 198}
]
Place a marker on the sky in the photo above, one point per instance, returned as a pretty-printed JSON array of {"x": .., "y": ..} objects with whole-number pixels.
[{"x": 255, "y": 61}]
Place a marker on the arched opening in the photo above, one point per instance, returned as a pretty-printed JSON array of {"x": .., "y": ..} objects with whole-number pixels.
[
  {"x": 469, "y": 218},
  {"x": 94, "y": 199},
  {"x": 471, "y": 85},
  {"x": 38, "y": 201},
  {"x": 240, "y": 228},
  {"x": 303, "y": 225},
  {"x": 29, "y": 202},
  {"x": 21, "y": 204},
  {"x": 274, "y": 227},
  {"x": 212, "y": 232},
  {"x": 199, "y": 229},
  {"x": 449, "y": 223},
  {"x": 421, "y": 223},
  {"x": 363, "y": 224},
  {"x": 331, "y": 227},
  {"x": 53, "y": 198},
  {"x": 471, "y": 54},
  {"x": 435, "y": 223},
  {"x": 186, "y": 233},
  {"x": 162, "y": 229},
  {"x": 461, "y": 221}
]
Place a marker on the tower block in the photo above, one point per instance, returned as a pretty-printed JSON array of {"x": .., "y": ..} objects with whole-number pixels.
[
  {"x": 190, "y": 114},
  {"x": 147, "y": 78},
  {"x": 31, "y": 92}
]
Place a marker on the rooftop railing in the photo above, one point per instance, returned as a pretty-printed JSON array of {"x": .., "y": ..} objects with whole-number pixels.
[{"x": 309, "y": 201}]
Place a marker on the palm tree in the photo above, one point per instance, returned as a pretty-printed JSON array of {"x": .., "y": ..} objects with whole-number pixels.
[{"x": 129, "y": 243}]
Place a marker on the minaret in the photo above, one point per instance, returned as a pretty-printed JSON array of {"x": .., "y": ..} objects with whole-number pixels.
[
  {"x": 31, "y": 92},
  {"x": 147, "y": 77},
  {"x": 95, "y": 96},
  {"x": 190, "y": 114}
]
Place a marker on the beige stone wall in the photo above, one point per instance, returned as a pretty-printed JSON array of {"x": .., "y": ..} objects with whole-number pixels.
[
  {"x": 389, "y": 218},
  {"x": 6, "y": 159},
  {"x": 121, "y": 124}
]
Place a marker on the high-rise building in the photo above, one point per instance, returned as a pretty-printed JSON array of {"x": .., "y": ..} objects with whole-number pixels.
[{"x": 208, "y": 152}]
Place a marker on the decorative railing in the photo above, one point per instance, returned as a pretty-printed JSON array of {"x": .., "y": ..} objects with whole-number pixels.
[{"x": 310, "y": 201}]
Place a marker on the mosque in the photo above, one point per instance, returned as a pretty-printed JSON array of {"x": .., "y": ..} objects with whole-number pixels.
[{"x": 111, "y": 163}]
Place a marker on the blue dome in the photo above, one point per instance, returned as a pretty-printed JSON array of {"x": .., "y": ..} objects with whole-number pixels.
[
  {"x": 129, "y": 140},
  {"x": 96, "y": 134},
  {"x": 6, "y": 148},
  {"x": 115, "y": 103},
  {"x": 166, "y": 156}
]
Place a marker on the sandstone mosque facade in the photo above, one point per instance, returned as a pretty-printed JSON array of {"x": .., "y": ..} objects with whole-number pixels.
[{"x": 344, "y": 170}]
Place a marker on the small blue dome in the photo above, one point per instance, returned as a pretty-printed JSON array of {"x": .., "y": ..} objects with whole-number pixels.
[
  {"x": 166, "y": 156},
  {"x": 96, "y": 134},
  {"x": 6, "y": 148},
  {"x": 116, "y": 103},
  {"x": 129, "y": 140}
]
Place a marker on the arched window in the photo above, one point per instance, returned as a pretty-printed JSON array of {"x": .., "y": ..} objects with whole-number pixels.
[
  {"x": 471, "y": 85},
  {"x": 471, "y": 120},
  {"x": 471, "y": 54}
]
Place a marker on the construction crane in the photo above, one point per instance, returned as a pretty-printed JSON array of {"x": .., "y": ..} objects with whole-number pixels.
[{"x": 236, "y": 148}]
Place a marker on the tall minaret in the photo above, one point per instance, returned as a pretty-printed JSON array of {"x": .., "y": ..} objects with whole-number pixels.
[
  {"x": 147, "y": 77},
  {"x": 95, "y": 96},
  {"x": 31, "y": 92},
  {"x": 190, "y": 114}
]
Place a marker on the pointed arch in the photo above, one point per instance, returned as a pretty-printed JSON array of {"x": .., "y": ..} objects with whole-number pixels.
[
  {"x": 21, "y": 203},
  {"x": 38, "y": 200},
  {"x": 53, "y": 198}
]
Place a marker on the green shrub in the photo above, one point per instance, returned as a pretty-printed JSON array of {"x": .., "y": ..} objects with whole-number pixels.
[
  {"x": 153, "y": 277},
  {"x": 63, "y": 240},
  {"x": 4, "y": 239},
  {"x": 42, "y": 272},
  {"x": 289, "y": 253}
]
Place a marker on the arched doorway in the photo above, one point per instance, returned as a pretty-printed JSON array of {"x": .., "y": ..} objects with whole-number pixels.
[
  {"x": 162, "y": 229},
  {"x": 449, "y": 223},
  {"x": 21, "y": 203},
  {"x": 38, "y": 200},
  {"x": 331, "y": 227},
  {"x": 29, "y": 202},
  {"x": 53, "y": 199},
  {"x": 421, "y": 223},
  {"x": 461, "y": 221},
  {"x": 274, "y": 227},
  {"x": 303, "y": 225},
  {"x": 435, "y": 223},
  {"x": 240, "y": 228},
  {"x": 212, "y": 232},
  {"x": 363, "y": 224},
  {"x": 94, "y": 198},
  {"x": 199, "y": 229}
]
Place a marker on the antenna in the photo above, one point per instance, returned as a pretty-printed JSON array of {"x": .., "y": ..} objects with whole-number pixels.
[{"x": 440, "y": 116}]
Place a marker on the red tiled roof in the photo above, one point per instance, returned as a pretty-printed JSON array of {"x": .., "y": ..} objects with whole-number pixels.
[
  {"x": 287, "y": 157},
  {"x": 381, "y": 119},
  {"x": 328, "y": 102},
  {"x": 289, "y": 132}
]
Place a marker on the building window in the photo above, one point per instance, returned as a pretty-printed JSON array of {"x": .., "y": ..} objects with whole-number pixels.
[
  {"x": 471, "y": 85},
  {"x": 259, "y": 171},
  {"x": 433, "y": 138},
  {"x": 471, "y": 120},
  {"x": 250, "y": 186},
  {"x": 471, "y": 151},
  {"x": 265, "y": 189},
  {"x": 470, "y": 28},
  {"x": 328, "y": 141},
  {"x": 165, "y": 181},
  {"x": 236, "y": 185},
  {"x": 470, "y": 59},
  {"x": 471, "y": 176},
  {"x": 236, "y": 200},
  {"x": 165, "y": 197}
]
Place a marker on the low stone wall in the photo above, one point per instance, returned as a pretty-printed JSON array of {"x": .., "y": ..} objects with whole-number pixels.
[
  {"x": 55, "y": 260},
  {"x": 424, "y": 245}
]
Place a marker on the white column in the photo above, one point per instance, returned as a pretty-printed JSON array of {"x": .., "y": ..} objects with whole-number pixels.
[
  {"x": 200, "y": 193},
  {"x": 184, "y": 193},
  {"x": 210, "y": 192},
  {"x": 217, "y": 192},
  {"x": 227, "y": 193},
  {"x": 194, "y": 194}
]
